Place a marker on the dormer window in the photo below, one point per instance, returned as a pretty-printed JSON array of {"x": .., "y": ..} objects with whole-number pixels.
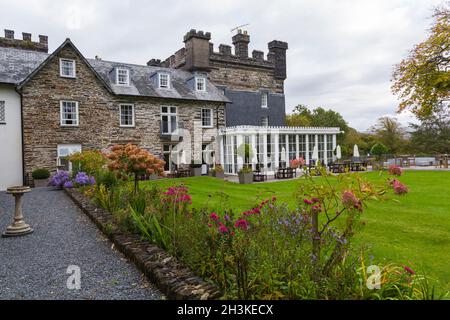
[
  {"x": 200, "y": 84},
  {"x": 122, "y": 77},
  {"x": 164, "y": 80},
  {"x": 67, "y": 68}
]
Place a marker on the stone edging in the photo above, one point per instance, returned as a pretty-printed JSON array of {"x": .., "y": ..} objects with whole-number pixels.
[{"x": 170, "y": 276}]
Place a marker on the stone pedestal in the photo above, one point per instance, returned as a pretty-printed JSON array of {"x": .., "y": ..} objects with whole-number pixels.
[{"x": 18, "y": 227}]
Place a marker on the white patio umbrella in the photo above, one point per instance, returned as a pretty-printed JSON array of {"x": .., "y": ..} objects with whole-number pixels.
[
  {"x": 315, "y": 154},
  {"x": 283, "y": 155},
  {"x": 355, "y": 151},
  {"x": 183, "y": 157},
  {"x": 338, "y": 153}
]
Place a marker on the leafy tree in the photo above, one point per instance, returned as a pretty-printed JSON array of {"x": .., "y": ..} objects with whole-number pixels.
[
  {"x": 432, "y": 135},
  {"x": 318, "y": 117},
  {"x": 390, "y": 132},
  {"x": 130, "y": 160},
  {"x": 422, "y": 80},
  {"x": 379, "y": 150}
]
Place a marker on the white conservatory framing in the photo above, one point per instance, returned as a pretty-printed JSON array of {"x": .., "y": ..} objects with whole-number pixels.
[{"x": 267, "y": 144}]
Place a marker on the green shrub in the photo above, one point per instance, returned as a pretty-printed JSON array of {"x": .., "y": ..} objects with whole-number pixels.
[
  {"x": 40, "y": 174},
  {"x": 106, "y": 178},
  {"x": 379, "y": 150}
]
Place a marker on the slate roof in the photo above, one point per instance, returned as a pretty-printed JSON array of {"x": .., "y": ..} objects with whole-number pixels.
[
  {"x": 141, "y": 83},
  {"x": 17, "y": 64}
]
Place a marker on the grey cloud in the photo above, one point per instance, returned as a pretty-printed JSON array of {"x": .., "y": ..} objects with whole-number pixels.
[{"x": 340, "y": 53}]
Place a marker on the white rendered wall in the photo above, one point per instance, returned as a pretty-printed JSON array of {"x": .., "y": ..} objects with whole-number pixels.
[{"x": 10, "y": 140}]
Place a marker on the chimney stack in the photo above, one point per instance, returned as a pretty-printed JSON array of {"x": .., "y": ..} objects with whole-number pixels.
[
  {"x": 25, "y": 43},
  {"x": 197, "y": 48},
  {"x": 43, "y": 40},
  {"x": 240, "y": 42},
  {"x": 9, "y": 34},
  {"x": 277, "y": 55},
  {"x": 26, "y": 36}
]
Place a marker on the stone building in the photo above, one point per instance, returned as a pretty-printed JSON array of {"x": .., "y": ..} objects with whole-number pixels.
[
  {"x": 254, "y": 85},
  {"x": 65, "y": 103},
  {"x": 198, "y": 105}
]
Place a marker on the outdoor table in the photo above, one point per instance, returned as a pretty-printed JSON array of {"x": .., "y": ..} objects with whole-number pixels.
[
  {"x": 184, "y": 173},
  {"x": 284, "y": 173},
  {"x": 259, "y": 176},
  {"x": 356, "y": 166}
]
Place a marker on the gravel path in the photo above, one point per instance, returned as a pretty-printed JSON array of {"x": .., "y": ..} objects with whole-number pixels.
[{"x": 35, "y": 266}]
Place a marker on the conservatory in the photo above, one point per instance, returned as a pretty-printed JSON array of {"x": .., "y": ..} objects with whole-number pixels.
[{"x": 272, "y": 147}]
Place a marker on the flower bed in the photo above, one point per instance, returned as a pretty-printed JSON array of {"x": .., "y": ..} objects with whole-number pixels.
[
  {"x": 169, "y": 275},
  {"x": 265, "y": 252}
]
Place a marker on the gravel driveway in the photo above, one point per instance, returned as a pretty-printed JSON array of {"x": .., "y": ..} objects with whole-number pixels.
[{"x": 35, "y": 266}]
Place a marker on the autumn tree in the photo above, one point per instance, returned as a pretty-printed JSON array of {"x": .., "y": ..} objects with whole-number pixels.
[
  {"x": 131, "y": 161},
  {"x": 422, "y": 80}
]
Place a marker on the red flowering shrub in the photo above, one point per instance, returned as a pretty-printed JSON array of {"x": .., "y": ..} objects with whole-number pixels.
[
  {"x": 298, "y": 163},
  {"x": 395, "y": 170},
  {"x": 130, "y": 160},
  {"x": 399, "y": 188},
  {"x": 350, "y": 201}
]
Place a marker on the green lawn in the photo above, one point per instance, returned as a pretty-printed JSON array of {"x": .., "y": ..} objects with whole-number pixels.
[{"x": 415, "y": 230}]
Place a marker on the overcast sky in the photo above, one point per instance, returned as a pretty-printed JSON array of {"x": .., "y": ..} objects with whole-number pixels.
[{"x": 341, "y": 52}]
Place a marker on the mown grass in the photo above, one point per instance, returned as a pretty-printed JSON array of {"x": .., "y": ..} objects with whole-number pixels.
[{"x": 413, "y": 229}]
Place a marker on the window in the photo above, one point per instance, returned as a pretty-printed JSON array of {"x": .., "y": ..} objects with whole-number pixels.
[
  {"x": 69, "y": 113},
  {"x": 65, "y": 150},
  {"x": 264, "y": 100},
  {"x": 168, "y": 120},
  {"x": 265, "y": 121},
  {"x": 207, "y": 118},
  {"x": 164, "y": 80},
  {"x": 292, "y": 147},
  {"x": 67, "y": 68},
  {"x": 200, "y": 84},
  {"x": 122, "y": 77},
  {"x": 2, "y": 112},
  {"x": 127, "y": 115}
]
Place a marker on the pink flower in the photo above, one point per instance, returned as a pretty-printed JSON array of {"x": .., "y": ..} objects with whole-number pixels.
[
  {"x": 315, "y": 200},
  {"x": 395, "y": 170},
  {"x": 399, "y": 188},
  {"x": 307, "y": 201},
  {"x": 350, "y": 201},
  {"x": 256, "y": 211},
  {"x": 223, "y": 229},
  {"x": 409, "y": 270},
  {"x": 214, "y": 216},
  {"x": 316, "y": 208},
  {"x": 241, "y": 223}
]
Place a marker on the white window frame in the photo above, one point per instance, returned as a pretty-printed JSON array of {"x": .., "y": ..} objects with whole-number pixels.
[
  {"x": 211, "y": 118},
  {"x": 3, "y": 106},
  {"x": 168, "y": 80},
  {"x": 199, "y": 80},
  {"x": 127, "y": 83},
  {"x": 132, "y": 117},
  {"x": 169, "y": 114},
  {"x": 61, "y": 68},
  {"x": 264, "y": 118},
  {"x": 61, "y": 114},
  {"x": 264, "y": 100},
  {"x": 73, "y": 148}
]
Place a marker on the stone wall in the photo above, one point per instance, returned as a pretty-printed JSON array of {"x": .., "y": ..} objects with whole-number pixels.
[{"x": 98, "y": 114}]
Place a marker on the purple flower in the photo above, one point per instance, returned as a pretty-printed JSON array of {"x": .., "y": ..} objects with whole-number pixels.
[
  {"x": 68, "y": 184},
  {"x": 82, "y": 179},
  {"x": 59, "y": 179}
]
